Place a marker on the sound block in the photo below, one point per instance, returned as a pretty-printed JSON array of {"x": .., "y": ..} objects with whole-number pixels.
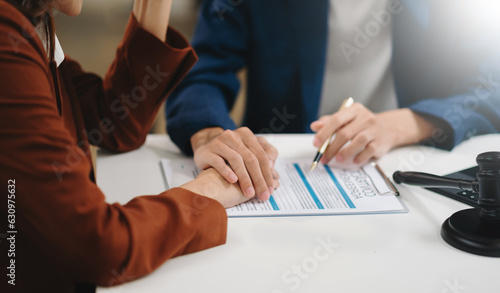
[{"x": 464, "y": 230}]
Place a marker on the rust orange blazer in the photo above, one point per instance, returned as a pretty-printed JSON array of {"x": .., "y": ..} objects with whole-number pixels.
[{"x": 64, "y": 236}]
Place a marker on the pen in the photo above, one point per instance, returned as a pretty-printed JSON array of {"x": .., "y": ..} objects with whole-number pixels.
[{"x": 345, "y": 104}]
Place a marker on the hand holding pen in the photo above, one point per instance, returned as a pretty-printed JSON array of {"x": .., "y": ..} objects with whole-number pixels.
[
  {"x": 370, "y": 135},
  {"x": 345, "y": 104}
]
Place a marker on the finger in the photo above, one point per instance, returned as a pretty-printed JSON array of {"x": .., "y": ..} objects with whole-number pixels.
[
  {"x": 276, "y": 184},
  {"x": 324, "y": 118},
  {"x": 270, "y": 150},
  {"x": 340, "y": 139},
  {"x": 253, "y": 166},
  {"x": 216, "y": 155},
  {"x": 276, "y": 175},
  {"x": 219, "y": 164},
  {"x": 255, "y": 159},
  {"x": 238, "y": 165},
  {"x": 332, "y": 124},
  {"x": 265, "y": 153},
  {"x": 362, "y": 120},
  {"x": 276, "y": 180},
  {"x": 259, "y": 166},
  {"x": 317, "y": 125},
  {"x": 373, "y": 151},
  {"x": 359, "y": 143},
  {"x": 230, "y": 147}
]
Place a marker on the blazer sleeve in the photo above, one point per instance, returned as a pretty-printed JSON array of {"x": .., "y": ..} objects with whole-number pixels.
[
  {"x": 143, "y": 73},
  {"x": 67, "y": 218},
  {"x": 207, "y": 94},
  {"x": 461, "y": 116}
]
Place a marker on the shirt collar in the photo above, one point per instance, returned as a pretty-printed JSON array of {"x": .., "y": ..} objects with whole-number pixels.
[{"x": 58, "y": 51}]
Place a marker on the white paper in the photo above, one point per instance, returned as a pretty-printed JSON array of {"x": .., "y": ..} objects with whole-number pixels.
[{"x": 325, "y": 191}]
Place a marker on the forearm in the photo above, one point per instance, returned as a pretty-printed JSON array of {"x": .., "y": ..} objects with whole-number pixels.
[
  {"x": 153, "y": 16},
  {"x": 143, "y": 73},
  {"x": 462, "y": 115}
]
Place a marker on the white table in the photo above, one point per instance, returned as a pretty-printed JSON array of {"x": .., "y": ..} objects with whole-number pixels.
[{"x": 356, "y": 253}]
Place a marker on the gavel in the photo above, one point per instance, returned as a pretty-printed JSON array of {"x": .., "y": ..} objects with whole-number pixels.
[{"x": 475, "y": 230}]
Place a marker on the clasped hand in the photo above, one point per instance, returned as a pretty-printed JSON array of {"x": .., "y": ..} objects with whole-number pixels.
[{"x": 240, "y": 157}]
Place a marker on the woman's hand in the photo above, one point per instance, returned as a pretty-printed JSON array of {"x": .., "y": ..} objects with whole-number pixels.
[
  {"x": 239, "y": 156},
  {"x": 210, "y": 183},
  {"x": 153, "y": 16},
  {"x": 370, "y": 135}
]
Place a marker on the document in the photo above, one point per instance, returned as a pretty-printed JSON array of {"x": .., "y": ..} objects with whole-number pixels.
[{"x": 327, "y": 190}]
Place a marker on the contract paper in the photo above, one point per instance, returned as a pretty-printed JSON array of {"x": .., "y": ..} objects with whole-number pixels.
[{"x": 327, "y": 190}]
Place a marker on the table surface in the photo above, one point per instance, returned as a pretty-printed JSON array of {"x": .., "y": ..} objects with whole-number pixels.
[{"x": 342, "y": 253}]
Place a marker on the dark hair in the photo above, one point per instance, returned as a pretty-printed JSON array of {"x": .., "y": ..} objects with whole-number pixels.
[{"x": 40, "y": 12}]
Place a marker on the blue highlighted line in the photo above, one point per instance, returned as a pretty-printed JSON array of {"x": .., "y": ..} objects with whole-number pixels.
[
  {"x": 273, "y": 203},
  {"x": 342, "y": 191},
  {"x": 308, "y": 186}
]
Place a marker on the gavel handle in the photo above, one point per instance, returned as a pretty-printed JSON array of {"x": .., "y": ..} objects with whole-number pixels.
[{"x": 430, "y": 180}]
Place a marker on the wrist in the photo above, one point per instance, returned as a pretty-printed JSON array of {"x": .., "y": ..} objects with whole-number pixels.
[
  {"x": 209, "y": 184},
  {"x": 153, "y": 16},
  {"x": 203, "y": 136},
  {"x": 407, "y": 126},
  {"x": 424, "y": 127}
]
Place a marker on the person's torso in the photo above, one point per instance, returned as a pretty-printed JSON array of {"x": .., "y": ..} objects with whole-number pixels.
[{"x": 359, "y": 50}]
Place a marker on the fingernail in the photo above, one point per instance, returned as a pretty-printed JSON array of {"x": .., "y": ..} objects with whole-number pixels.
[
  {"x": 249, "y": 191},
  {"x": 271, "y": 190},
  {"x": 316, "y": 142},
  {"x": 323, "y": 160},
  {"x": 264, "y": 195},
  {"x": 233, "y": 178},
  {"x": 271, "y": 163},
  {"x": 339, "y": 158}
]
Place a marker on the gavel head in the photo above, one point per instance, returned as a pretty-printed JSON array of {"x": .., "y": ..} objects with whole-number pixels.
[{"x": 489, "y": 186}]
